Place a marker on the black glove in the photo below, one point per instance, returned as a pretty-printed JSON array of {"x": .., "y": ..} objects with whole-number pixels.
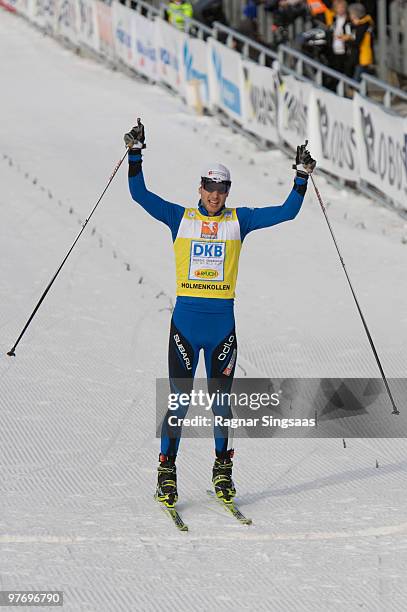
[
  {"x": 134, "y": 139},
  {"x": 304, "y": 163}
]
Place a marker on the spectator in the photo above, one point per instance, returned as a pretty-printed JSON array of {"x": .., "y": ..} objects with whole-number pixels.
[
  {"x": 320, "y": 12},
  {"x": 208, "y": 11},
  {"x": 248, "y": 28},
  {"x": 250, "y": 10},
  {"x": 286, "y": 11},
  {"x": 177, "y": 10},
  {"x": 341, "y": 26},
  {"x": 314, "y": 42},
  {"x": 359, "y": 44},
  {"x": 371, "y": 8},
  {"x": 248, "y": 24},
  {"x": 317, "y": 41}
]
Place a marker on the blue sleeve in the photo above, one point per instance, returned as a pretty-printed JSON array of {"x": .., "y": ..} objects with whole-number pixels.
[
  {"x": 257, "y": 218},
  {"x": 167, "y": 212}
]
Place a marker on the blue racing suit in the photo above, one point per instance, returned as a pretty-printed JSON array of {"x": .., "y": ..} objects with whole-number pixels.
[{"x": 200, "y": 322}]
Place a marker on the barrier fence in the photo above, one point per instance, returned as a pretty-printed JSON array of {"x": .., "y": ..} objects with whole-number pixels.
[{"x": 355, "y": 139}]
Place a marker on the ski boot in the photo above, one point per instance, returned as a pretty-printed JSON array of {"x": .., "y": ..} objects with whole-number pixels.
[
  {"x": 222, "y": 477},
  {"x": 166, "y": 492}
]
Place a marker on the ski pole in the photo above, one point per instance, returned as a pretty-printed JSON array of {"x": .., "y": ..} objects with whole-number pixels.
[
  {"x": 11, "y": 352},
  {"x": 386, "y": 384}
]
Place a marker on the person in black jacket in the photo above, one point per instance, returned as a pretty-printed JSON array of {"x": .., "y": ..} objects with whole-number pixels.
[
  {"x": 208, "y": 11},
  {"x": 341, "y": 26}
]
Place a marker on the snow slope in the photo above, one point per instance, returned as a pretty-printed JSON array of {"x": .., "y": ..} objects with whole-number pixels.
[{"x": 78, "y": 448}]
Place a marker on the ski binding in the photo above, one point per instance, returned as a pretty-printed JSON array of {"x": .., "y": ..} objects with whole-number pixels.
[{"x": 232, "y": 508}]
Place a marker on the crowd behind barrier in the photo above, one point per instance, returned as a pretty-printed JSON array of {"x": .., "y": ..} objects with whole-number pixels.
[
  {"x": 336, "y": 34},
  {"x": 354, "y": 140},
  {"x": 310, "y": 22}
]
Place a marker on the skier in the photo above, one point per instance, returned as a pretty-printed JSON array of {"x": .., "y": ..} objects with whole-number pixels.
[{"x": 207, "y": 242}]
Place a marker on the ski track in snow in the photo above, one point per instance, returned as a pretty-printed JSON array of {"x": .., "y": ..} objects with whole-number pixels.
[{"x": 78, "y": 452}]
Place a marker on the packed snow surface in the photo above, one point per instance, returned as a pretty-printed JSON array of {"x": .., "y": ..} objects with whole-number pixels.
[{"x": 77, "y": 437}]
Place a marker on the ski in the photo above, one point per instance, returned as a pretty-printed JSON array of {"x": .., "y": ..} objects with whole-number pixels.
[
  {"x": 231, "y": 508},
  {"x": 174, "y": 515}
]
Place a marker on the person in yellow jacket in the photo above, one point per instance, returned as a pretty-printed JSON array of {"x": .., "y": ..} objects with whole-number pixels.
[
  {"x": 177, "y": 11},
  {"x": 359, "y": 42}
]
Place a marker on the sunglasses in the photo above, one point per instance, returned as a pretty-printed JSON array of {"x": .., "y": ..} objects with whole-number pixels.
[{"x": 211, "y": 186}]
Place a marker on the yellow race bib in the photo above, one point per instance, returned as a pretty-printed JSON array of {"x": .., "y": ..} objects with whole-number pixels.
[{"x": 207, "y": 251}]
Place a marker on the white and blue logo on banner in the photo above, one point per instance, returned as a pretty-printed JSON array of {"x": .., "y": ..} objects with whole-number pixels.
[
  {"x": 195, "y": 65},
  {"x": 226, "y": 79},
  {"x": 122, "y": 35},
  {"x": 145, "y": 56},
  {"x": 122, "y": 17},
  {"x": 229, "y": 91},
  {"x": 170, "y": 42}
]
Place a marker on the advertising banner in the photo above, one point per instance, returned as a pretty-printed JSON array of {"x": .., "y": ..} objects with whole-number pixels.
[
  {"x": 170, "y": 42},
  {"x": 194, "y": 61},
  {"x": 122, "y": 33},
  {"x": 333, "y": 134},
  {"x": 145, "y": 48},
  {"x": 105, "y": 29},
  {"x": 293, "y": 111},
  {"x": 36, "y": 14},
  {"x": 261, "y": 87},
  {"x": 226, "y": 80},
  {"x": 382, "y": 146},
  {"x": 87, "y": 24},
  {"x": 43, "y": 14},
  {"x": 67, "y": 19},
  {"x": 24, "y": 7},
  {"x": 10, "y": 5}
]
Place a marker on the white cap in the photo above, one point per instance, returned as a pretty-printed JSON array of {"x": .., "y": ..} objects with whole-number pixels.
[{"x": 216, "y": 172}]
